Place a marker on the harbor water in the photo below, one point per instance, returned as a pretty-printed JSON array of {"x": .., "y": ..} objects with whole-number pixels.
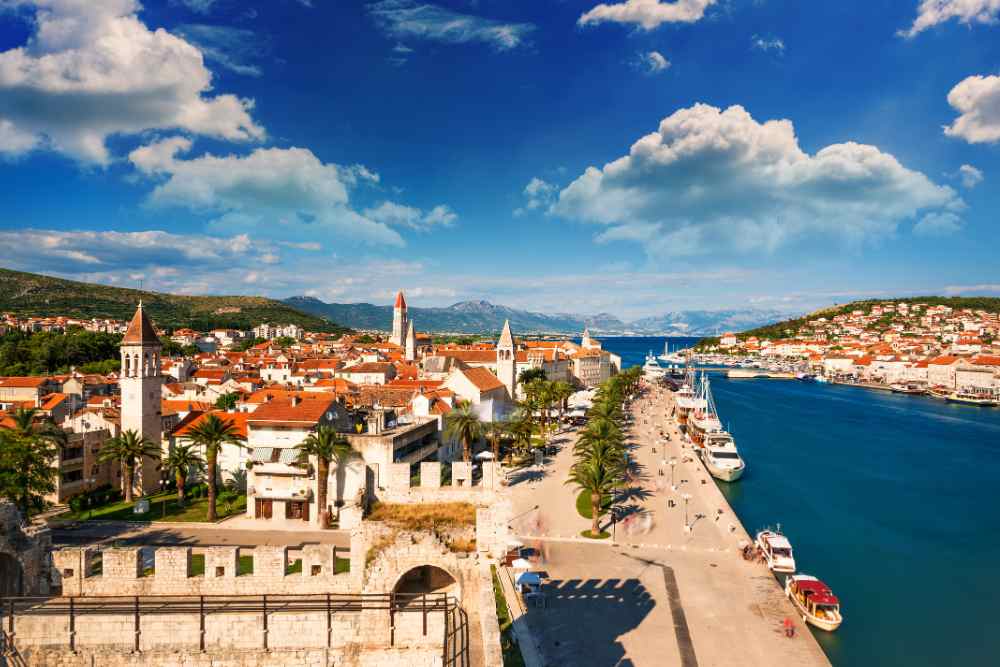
[{"x": 890, "y": 499}]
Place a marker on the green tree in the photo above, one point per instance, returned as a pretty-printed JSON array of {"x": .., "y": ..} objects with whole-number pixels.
[
  {"x": 28, "y": 451},
  {"x": 561, "y": 392},
  {"x": 180, "y": 462},
  {"x": 284, "y": 341},
  {"x": 495, "y": 432},
  {"x": 598, "y": 478},
  {"x": 462, "y": 424},
  {"x": 530, "y": 374},
  {"x": 327, "y": 445},
  {"x": 212, "y": 433},
  {"x": 227, "y": 401},
  {"x": 521, "y": 427},
  {"x": 128, "y": 449}
]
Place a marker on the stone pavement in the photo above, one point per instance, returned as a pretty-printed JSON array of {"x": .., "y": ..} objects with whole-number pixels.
[{"x": 660, "y": 594}]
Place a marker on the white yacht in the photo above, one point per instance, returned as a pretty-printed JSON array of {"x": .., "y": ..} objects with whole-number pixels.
[
  {"x": 777, "y": 550},
  {"x": 671, "y": 358},
  {"x": 721, "y": 458},
  {"x": 652, "y": 370}
]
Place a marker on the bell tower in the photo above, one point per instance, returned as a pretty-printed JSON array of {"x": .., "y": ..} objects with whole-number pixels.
[
  {"x": 507, "y": 360},
  {"x": 399, "y": 320},
  {"x": 141, "y": 390}
]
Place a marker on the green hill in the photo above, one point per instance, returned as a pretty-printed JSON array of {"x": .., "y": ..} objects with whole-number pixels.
[
  {"x": 789, "y": 327},
  {"x": 30, "y": 294}
]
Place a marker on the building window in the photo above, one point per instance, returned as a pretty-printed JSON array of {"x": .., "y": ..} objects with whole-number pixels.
[{"x": 297, "y": 510}]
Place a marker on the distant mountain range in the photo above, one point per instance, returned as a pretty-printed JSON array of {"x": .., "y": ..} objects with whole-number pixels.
[{"x": 483, "y": 316}]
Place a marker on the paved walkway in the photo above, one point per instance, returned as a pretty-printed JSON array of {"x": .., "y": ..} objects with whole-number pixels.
[{"x": 661, "y": 594}]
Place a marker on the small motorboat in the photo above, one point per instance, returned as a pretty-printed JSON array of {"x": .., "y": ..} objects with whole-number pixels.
[
  {"x": 777, "y": 551},
  {"x": 973, "y": 398},
  {"x": 815, "y": 601}
]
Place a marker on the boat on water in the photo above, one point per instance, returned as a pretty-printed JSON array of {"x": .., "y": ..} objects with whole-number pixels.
[
  {"x": 907, "y": 388},
  {"x": 937, "y": 391},
  {"x": 703, "y": 418},
  {"x": 651, "y": 370},
  {"x": 822, "y": 379},
  {"x": 721, "y": 458},
  {"x": 671, "y": 357},
  {"x": 815, "y": 601},
  {"x": 777, "y": 551},
  {"x": 805, "y": 377},
  {"x": 974, "y": 398}
]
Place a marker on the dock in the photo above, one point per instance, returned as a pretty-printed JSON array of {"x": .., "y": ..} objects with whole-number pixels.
[{"x": 670, "y": 586}]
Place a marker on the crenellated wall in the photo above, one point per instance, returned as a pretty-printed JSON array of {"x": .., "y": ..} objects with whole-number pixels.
[
  {"x": 430, "y": 489},
  {"x": 122, "y": 573}
]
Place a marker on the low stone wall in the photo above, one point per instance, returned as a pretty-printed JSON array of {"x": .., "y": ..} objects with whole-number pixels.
[
  {"x": 413, "y": 657},
  {"x": 121, "y": 572},
  {"x": 430, "y": 489}
]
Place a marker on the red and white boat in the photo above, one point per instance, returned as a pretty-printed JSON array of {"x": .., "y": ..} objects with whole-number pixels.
[
  {"x": 703, "y": 417},
  {"x": 815, "y": 601}
]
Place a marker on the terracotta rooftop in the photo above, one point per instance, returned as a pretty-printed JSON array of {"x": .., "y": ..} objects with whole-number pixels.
[
  {"x": 140, "y": 330},
  {"x": 483, "y": 379},
  {"x": 308, "y": 410}
]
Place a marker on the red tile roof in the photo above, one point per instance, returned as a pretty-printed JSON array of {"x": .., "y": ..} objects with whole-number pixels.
[
  {"x": 483, "y": 379},
  {"x": 140, "y": 329}
]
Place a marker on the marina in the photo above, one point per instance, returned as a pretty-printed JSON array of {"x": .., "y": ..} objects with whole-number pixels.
[{"x": 873, "y": 485}]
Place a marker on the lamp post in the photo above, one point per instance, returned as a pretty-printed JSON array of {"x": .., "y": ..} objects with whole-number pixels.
[
  {"x": 673, "y": 464},
  {"x": 687, "y": 526}
]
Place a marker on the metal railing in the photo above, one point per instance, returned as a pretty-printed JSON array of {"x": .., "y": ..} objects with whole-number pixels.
[{"x": 456, "y": 626}]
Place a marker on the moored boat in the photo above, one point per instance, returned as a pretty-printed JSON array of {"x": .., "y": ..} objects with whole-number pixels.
[
  {"x": 973, "y": 398},
  {"x": 815, "y": 601},
  {"x": 777, "y": 551},
  {"x": 703, "y": 418},
  {"x": 721, "y": 458},
  {"x": 651, "y": 370}
]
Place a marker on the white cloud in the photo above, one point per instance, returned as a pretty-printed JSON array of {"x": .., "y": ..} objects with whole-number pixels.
[
  {"x": 710, "y": 180},
  {"x": 539, "y": 194},
  {"x": 232, "y": 48},
  {"x": 977, "y": 99},
  {"x": 41, "y": 249},
  {"x": 768, "y": 44},
  {"x": 938, "y": 224},
  {"x": 92, "y": 70},
  {"x": 651, "y": 62},
  {"x": 275, "y": 191},
  {"x": 648, "y": 14},
  {"x": 199, "y": 6},
  {"x": 932, "y": 12},
  {"x": 405, "y": 19},
  {"x": 971, "y": 177},
  {"x": 398, "y": 215}
]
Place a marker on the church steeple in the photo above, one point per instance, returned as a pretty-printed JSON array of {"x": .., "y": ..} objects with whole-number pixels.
[
  {"x": 410, "y": 351},
  {"x": 141, "y": 383},
  {"x": 399, "y": 320},
  {"x": 507, "y": 360}
]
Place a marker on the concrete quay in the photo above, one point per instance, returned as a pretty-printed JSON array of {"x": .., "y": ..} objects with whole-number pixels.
[{"x": 658, "y": 593}]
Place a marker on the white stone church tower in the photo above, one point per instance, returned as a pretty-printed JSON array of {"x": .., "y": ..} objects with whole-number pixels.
[
  {"x": 507, "y": 360},
  {"x": 141, "y": 390},
  {"x": 399, "y": 321}
]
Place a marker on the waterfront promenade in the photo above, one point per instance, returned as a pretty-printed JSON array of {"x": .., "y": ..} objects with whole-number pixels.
[{"x": 659, "y": 594}]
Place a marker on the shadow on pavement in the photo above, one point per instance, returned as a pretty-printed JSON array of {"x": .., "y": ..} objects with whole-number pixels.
[{"x": 583, "y": 620}]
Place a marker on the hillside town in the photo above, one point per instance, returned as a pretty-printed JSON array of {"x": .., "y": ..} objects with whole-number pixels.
[
  {"x": 389, "y": 396},
  {"x": 917, "y": 345}
]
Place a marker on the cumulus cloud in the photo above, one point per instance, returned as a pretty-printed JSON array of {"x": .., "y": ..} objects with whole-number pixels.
[
  {"x": 405, "y": 19},
  {"x": 538, "y": 194},
  {"x": 41, "y": 249},
  {"x": 399, "y": 215},
  {"x": 712, "y": 180},
  {"x": 235, "y": 49},
  {"x": 647, "y": 14},
  {"x": 932, "y": 12},
  {"x": 273, "y": 190},
  {"x": 977, "y": 99},
  {"x": 971, "y": 177},
  {"x": 938, "y": 224},
  {"x": 92, "y": 70},
  {"x": 651, "y": 62},
  {"x": 767, "y": 44}
]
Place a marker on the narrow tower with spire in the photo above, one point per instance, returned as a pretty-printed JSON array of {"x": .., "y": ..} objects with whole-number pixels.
[
  {"x": 141, "y": 390},
  {"x": 410, "y": 352},
  {"x": 399, "y": 320},
  {"x": 507, "y": 360}
]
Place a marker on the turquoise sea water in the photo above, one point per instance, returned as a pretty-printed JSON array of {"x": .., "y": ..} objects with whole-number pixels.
[{"x": 892, "y": 500}]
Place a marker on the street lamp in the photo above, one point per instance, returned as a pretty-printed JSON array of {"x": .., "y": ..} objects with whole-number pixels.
[
  {"x": 687, "y": 526},
  {"x": 673, "y": 464}
]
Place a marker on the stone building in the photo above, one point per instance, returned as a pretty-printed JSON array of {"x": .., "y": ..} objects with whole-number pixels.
[{"x": 142, "y": 392}]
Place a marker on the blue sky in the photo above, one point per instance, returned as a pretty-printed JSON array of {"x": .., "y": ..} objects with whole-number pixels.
[{"x": 629, "y": 157}]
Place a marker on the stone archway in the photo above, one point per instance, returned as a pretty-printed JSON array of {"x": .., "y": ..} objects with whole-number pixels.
[
  {"x": 428, "y": 579},
  {"x": 11, "y": 576}
]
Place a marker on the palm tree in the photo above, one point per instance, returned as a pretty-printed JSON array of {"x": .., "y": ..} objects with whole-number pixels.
[
  {"x": 27, "y": 452},
  {"x": 562, "y": 391},
  {"x": 598, "y": 434},
  {"x": 494, "y": 432},
  {"x": 180, "y": 462},
  {"x": 598, "y": 478},
  {"x": 128, "y": 449},
  {"x": 520, "y": 428},
  {"x": 211, "y": 433},
  {"x": 327, "y": 445},
  {"x": 462, "y": 424}
]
